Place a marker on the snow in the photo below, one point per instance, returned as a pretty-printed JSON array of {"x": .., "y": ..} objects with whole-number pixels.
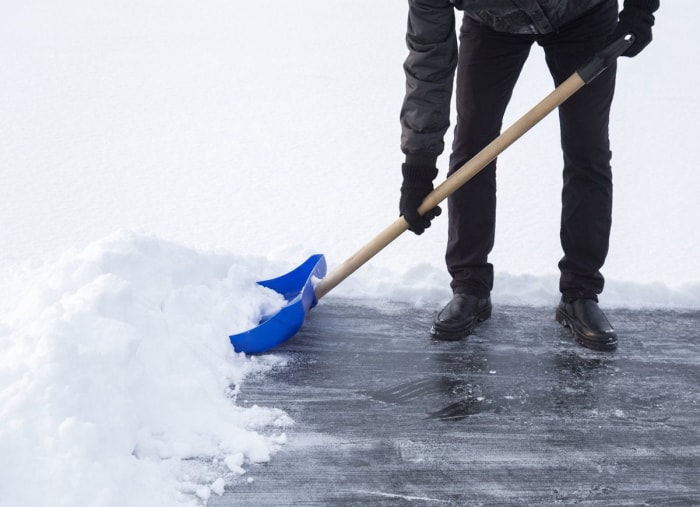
[
  {"x": 158, "y": 158},
  {"x": 116, "y": 371}
]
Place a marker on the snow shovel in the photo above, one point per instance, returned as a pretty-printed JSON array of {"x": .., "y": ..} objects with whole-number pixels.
[{"x": 305, "y": 285}]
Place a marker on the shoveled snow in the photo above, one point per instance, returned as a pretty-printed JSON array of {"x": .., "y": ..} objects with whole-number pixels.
[{"x": 118, "y": 383}]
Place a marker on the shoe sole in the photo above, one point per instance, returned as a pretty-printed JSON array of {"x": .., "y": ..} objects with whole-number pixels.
[
  {"x": 455, "y": 335},
  {"x": 563, "y": 319}
]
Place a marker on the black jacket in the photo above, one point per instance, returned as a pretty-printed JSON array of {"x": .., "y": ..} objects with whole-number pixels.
[
  {"x": 524, "y": 16},
  {"x": 432, "y": 58}
]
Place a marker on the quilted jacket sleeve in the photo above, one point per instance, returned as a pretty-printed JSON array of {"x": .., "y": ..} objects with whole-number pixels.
[{"x": 429, "y": 69}]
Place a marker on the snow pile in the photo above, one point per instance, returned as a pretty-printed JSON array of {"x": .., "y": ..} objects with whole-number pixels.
[{"x": 118, "y": 383}]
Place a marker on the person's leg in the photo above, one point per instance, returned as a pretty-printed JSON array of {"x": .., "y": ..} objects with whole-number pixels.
[
  {"x": 587, "y": 177},
  {"x": 488, "y": 68}
]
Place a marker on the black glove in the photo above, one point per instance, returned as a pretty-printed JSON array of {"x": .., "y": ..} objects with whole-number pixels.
[
  {"x": 417, "y": 183},
  {"x": 636, "y": 18}
]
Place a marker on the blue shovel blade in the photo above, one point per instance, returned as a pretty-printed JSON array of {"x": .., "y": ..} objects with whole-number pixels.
[{"x": 297, "y": 289}]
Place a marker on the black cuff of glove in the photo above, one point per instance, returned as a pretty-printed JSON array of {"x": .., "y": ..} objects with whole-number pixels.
[
  {"x": 421, "y": 159},
  {"x": 643, "y": 5},
  {"x": 418, "y": 175}
]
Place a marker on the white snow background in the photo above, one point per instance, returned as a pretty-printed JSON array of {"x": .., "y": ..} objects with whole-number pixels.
[{"x": 156, "y": 158}]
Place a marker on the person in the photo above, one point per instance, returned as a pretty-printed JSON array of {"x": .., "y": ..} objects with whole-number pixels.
[{"x": 494, "y": 41}]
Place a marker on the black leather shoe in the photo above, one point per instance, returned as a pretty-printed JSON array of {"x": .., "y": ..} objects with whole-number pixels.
[
  {"x": 588, "y": 324},
  {"x": 460, "y": 316}
]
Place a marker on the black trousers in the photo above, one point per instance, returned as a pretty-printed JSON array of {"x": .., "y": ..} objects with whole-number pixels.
[{"x": 488, "y": 68}]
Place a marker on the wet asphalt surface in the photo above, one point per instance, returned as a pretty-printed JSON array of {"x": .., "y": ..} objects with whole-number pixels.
[{"x": 517, "y": 414}]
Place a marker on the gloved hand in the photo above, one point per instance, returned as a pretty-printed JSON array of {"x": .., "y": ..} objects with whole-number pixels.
[
  {"x": 636, "y": 18},
  {"x": 417, "y": 183}
]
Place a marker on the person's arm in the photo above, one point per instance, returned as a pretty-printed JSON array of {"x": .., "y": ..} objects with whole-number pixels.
[
  {"x": 425, "y": 115},
  {"x": 429, "y": 69}
]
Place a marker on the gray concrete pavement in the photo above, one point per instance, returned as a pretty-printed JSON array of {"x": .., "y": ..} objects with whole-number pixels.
[{"x": 517, "y": 414}]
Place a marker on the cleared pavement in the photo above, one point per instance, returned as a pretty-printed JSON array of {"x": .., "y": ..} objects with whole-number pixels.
[{"x": 516, "y": 414}]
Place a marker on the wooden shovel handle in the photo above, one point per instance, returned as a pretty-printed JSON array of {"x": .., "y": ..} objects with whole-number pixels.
[{"x": 557, "y": 97}]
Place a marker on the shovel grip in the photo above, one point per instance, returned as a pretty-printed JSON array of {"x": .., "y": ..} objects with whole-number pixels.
[{"x": 602, "y": 60}]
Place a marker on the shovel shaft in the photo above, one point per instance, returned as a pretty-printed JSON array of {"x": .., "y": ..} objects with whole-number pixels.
[
  {"x": 560, "y": 94},
  {"x": 352, "y": 263}
]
